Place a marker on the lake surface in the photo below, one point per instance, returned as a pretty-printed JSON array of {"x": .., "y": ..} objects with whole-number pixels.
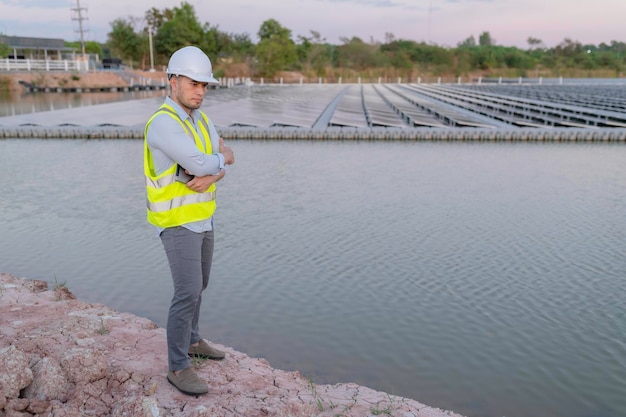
[
  {"x": 12, "y": 104},
  {"x": 485, "y": 278}
]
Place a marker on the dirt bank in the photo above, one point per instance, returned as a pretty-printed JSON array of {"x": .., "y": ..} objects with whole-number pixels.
[
  {"x": 63, "y": 357},
  {"x": 99, "y": 79}
]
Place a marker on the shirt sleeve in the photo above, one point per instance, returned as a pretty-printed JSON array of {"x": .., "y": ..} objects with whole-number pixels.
[
  {"x": 170, "y": 144},
  {"x": 215, "y": 142}
]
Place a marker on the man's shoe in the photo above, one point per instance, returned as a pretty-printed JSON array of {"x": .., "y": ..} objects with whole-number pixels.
[
  {"x": 188, "y": 382},
  {"x": 206, "y": 351}
]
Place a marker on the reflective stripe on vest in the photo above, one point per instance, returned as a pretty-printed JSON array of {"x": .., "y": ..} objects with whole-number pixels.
[
  {"x": 171, "y": 203},
  {"x": 180, "y": 201}
]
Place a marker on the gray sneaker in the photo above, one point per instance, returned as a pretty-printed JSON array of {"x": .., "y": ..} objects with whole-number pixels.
[
  {"x": 188, "y": 382},
  {"x": 206, "y": 351}
]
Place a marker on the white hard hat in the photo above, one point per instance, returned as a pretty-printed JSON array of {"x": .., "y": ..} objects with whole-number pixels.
[{"x": 191, "y": 62}]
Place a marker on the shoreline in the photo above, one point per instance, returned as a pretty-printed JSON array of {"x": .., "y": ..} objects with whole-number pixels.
[
  {"x": 34, "y": 81},
  {"x": 66, "y": 357}
]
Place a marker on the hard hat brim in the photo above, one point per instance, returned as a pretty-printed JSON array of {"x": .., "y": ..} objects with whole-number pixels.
[
  {"x": 210, "y": 80},
  {"x": 196, "y": 77}
]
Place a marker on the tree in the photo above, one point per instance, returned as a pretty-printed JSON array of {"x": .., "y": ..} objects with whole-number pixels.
[
  {"x": 463, "y": 62},
  {"x": 272, "y": 30},
  {"x": 568, "y": 48},
  {"x": 468, "y": 43},
  {"x": 91, "y": 47},
  {"x": 276, "y": 50},
  {"x": 534, "y": 42},
  {"x": 389, "y": 37},
  {"x": 358, "y": 55},
  {"x": 123, "y": 41},
  {"x": 4, "y": 50},
  {"x": 399, "y": 52},
  {"x": 314, "y": 53},
  {"x": 155, "y": 17},
  {"x": 241, "y": 45},
  {"x": 182, "y": 29},
  {"x": 484, "y": 39}
]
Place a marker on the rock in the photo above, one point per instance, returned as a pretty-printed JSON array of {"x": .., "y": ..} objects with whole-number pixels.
[
  {"x": 84, "y": 365},
  {"x": 37, "y": 406},
  {"x": 17, "y": 404},
  {"x": 36, "y": 285},
  {"x": 62, "y": 293},
  {"x": 138, "y": 407},
  {"x": 16, "y": 374},
  {"x": 67, "y": 358},
  {"x": 14, "y": 413},
  {"x": 49, "y": 382}
]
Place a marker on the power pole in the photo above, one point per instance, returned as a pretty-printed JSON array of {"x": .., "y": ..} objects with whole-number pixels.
[
  {"x": 78, "y": 15},
  {"x": 151, "y": 51}
]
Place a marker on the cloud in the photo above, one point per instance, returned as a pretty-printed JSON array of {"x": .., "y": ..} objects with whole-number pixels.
[{"x": 41, "y": 4}]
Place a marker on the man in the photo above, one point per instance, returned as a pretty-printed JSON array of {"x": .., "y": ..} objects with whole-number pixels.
[{"x": 183, "y": 159}]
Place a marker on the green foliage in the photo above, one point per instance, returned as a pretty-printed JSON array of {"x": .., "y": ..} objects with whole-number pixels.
[
  {"x": 124, "y": 42},
  {"x": 380, "y": 410},
  {"x": 238, "y": 45},
  {"x": 314, "y": 54},
  {"x": 91, "y": 47},
  {"x": 58, "y": 285},
  {"x": 4, "y": 50},
  {"x": 358, "y": 55},
  {"x": 316, "y": 397},
  {"x": 155, "y": 17},
  {"x": 485, "y": 39},
  {"x": 534, "y": 42},
  {"x": 468, "y": 43},
  {"x": 276, "y": 51},
  {"x": 102, "y": 330},
  {"x": 409, "y": 54},
  {"x": 182, "y": 29}
]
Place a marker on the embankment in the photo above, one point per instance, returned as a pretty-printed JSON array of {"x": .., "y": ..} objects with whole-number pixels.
[{"x": 66, "y": 358}]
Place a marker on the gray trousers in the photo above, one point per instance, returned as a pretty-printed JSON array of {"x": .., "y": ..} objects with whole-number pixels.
[{"x": 189, "y": 255}]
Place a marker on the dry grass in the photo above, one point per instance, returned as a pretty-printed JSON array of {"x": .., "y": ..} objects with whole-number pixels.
[
  {"x": 107, "y": 79},
  {"x": 104, "y": 79}
]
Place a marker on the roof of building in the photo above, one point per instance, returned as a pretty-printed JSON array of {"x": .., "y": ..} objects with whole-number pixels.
[{"x": 25, "y": 43}]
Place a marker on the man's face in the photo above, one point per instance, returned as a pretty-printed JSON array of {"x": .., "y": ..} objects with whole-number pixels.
[{"x": 188, "y": 93}]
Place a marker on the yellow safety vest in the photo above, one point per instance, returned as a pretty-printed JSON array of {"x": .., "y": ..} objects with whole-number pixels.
[{"x": 170, "y": 203}]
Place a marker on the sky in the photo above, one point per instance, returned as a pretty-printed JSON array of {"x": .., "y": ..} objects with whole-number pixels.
[{"x": 442, "y": 22}]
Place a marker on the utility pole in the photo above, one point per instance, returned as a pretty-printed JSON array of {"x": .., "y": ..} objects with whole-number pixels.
[
  {"x": 78, "y": 15},
  {"x": 151, "y": 52}
]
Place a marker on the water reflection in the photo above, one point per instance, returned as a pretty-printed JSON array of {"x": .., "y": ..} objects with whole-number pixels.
[
  {"x": 485, "y": 278},
  {"x": 12, "y": 104}
]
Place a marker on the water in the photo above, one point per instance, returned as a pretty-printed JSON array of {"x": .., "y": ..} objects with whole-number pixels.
[
  {"x": 12, "y": 104},
  {"x": 485, "y": 278}
]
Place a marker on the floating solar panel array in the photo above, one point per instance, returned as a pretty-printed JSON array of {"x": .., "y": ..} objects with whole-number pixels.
[
  {"x": 393, "y": 112},
  {"x": 426, "y": 111}
]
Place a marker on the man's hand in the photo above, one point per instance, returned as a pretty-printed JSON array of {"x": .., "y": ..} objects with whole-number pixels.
[
  {"x": 229, "y": 156},
  {"x": 201, "y": 184}
]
